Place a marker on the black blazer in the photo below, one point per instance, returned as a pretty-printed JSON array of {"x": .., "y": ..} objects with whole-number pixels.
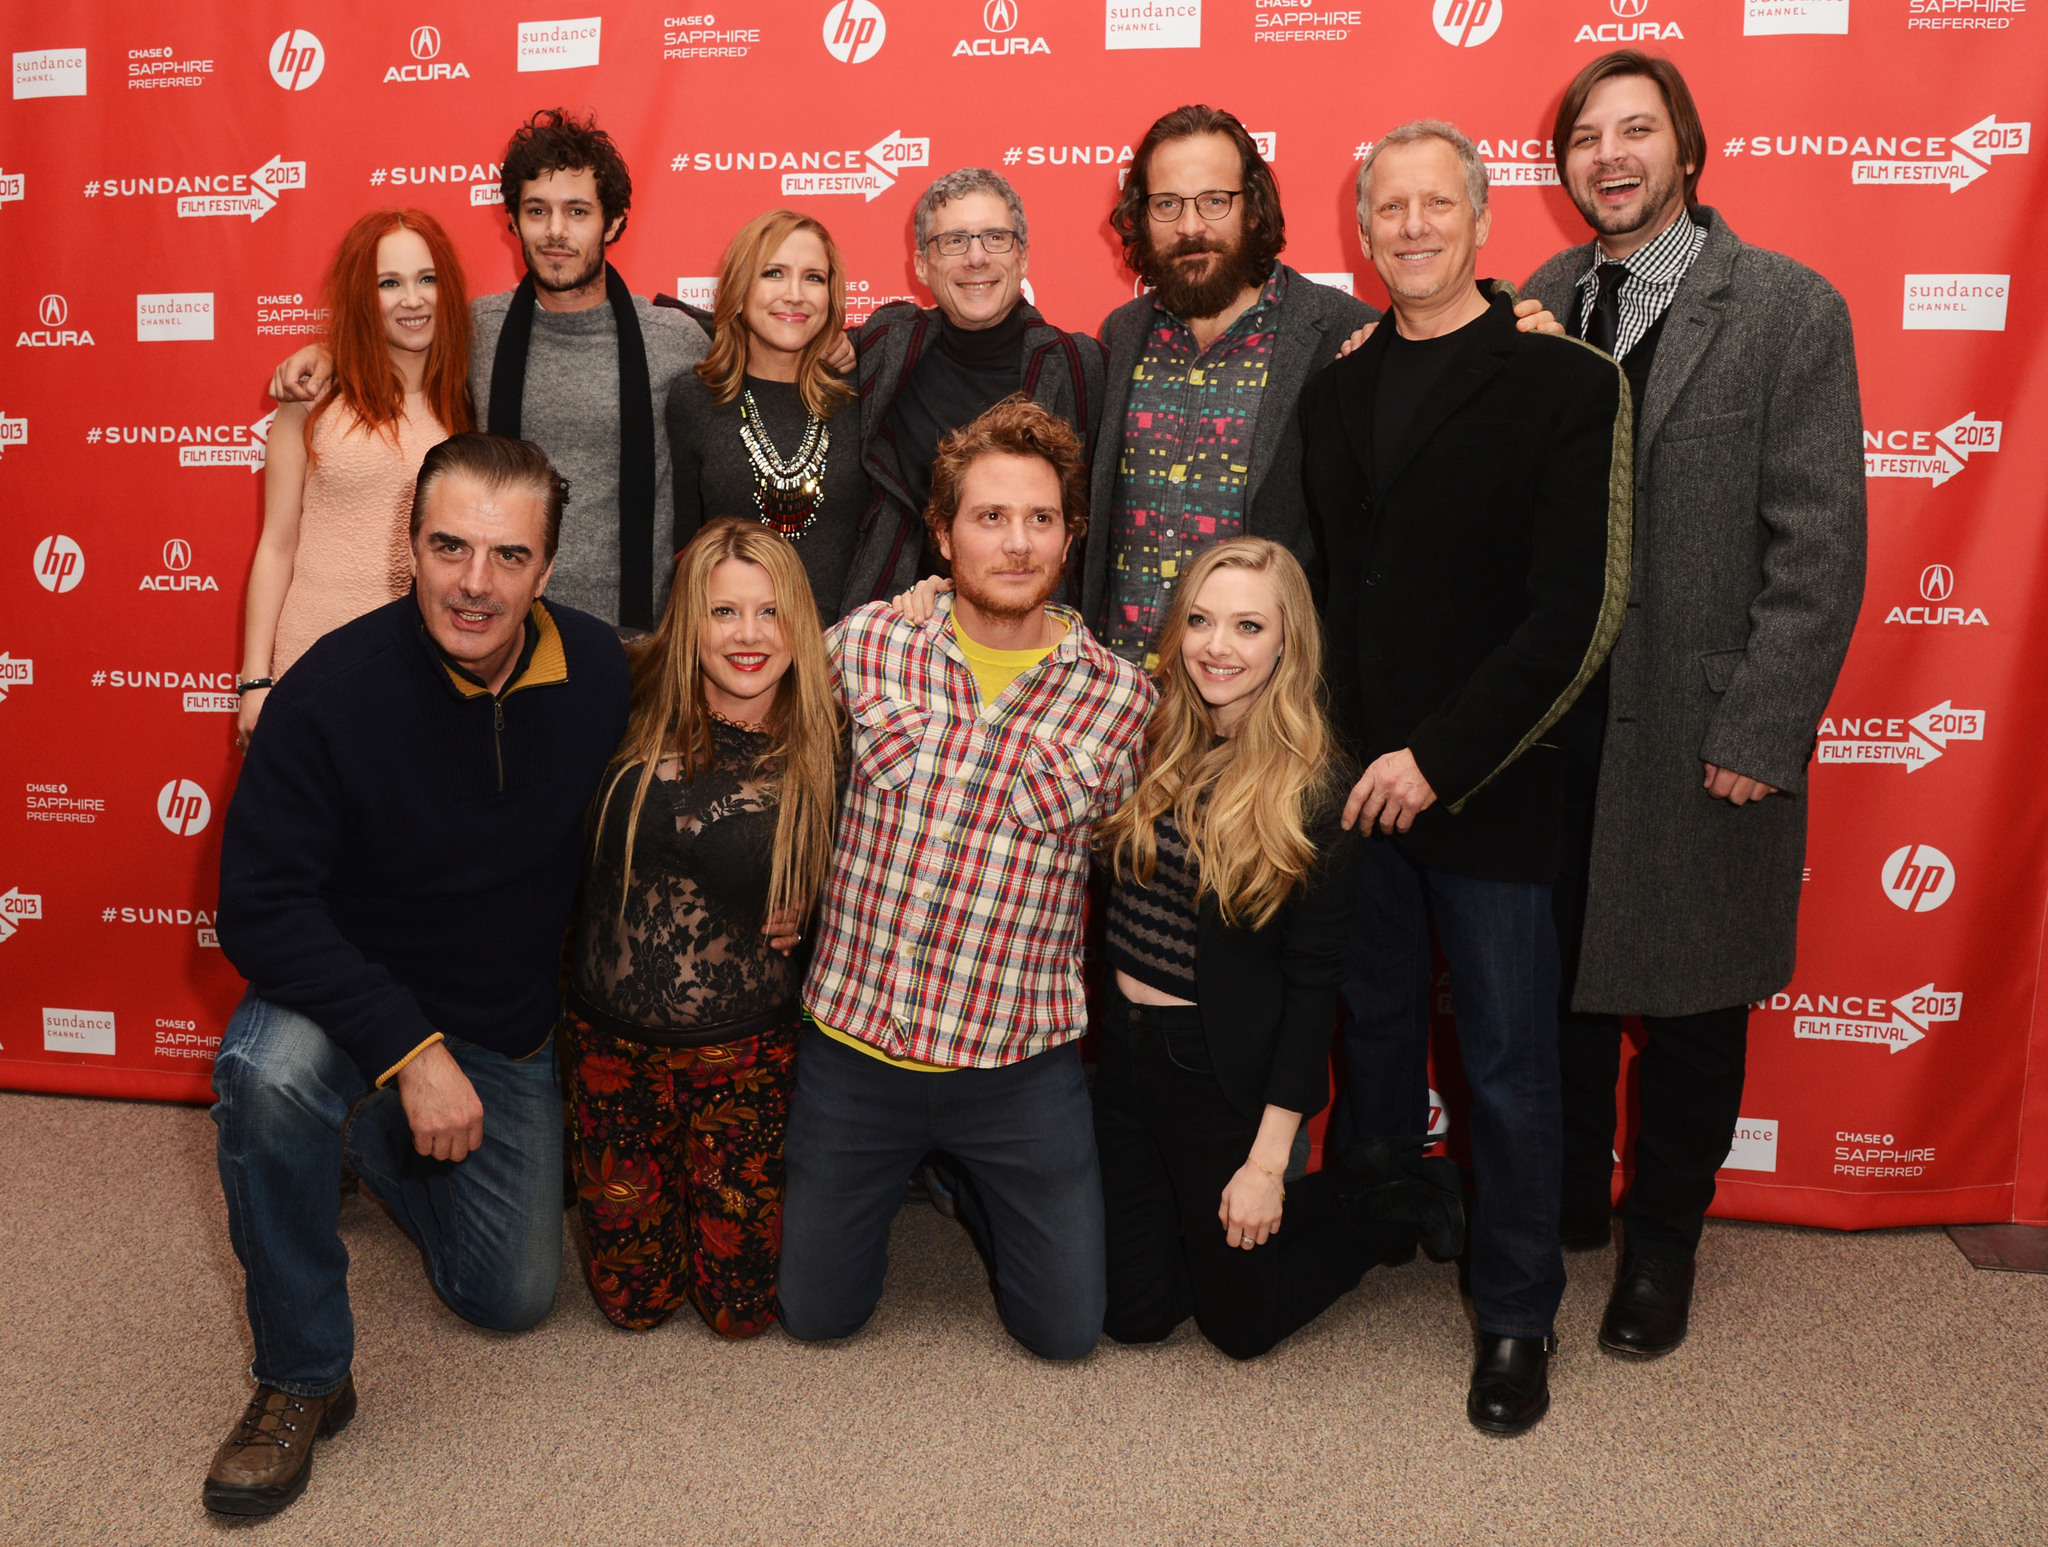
[
  {"x": 1469, "y": 605},
  {"x": 1269, "y": 996}
]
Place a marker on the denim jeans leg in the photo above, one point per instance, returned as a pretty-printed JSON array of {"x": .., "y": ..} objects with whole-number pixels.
[
  {"x": 489, "y": 1225},
  {"x": 1501, "y": 941},
  {"x": 1386, "y": 1000},
  {"x": 282, "y": 1091}
]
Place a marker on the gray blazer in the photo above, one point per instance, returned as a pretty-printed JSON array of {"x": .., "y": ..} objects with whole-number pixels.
[
  {"x": 1314, "y": 320},
  {"x": 1746, "y": 579}
]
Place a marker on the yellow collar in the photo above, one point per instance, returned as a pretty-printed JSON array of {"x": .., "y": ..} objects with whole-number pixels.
[{"x": 548, "y": 663}]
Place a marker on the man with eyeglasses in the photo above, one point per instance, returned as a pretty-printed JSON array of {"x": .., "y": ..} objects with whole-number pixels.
[
  {"x": 1203, "y": 374},
  {"x": 925, "y": 371}
]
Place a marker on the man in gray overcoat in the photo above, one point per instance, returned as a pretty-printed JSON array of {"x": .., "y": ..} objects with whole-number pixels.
[{"x": 1679, "y": 899}]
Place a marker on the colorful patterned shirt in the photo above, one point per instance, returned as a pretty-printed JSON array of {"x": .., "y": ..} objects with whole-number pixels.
[
  {"x": 951, "y": 925},
  {"x": 1184, "y": 464}
]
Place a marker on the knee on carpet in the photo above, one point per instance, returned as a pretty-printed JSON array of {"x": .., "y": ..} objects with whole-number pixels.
[{"x": 517, "y": 1300}]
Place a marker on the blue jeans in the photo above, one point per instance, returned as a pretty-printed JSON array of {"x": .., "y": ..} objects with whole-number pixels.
[
  {"x": 1501, "y": 942},
  {"x": 489, "y": 1226},
  {"x": 1025, "y": 1136}
]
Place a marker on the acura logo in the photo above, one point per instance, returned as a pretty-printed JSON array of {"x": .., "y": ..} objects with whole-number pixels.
[
  {"x": 1936, "y": 581},
  {"x": 426, "y": 41},
  {"x": 999, "y": 15},
  {"x": 1627, "y": 8},
  {"x": 53, "y": 311},
  {"x": 177, "y": 554}
]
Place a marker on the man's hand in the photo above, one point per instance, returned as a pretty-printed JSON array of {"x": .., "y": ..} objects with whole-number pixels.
[
  {"x": 1391, "y": 793},
  {"x": 442, "y": 1106},
  {"x": 919, "y": 603},
  {"x": 842, "y": 356},
  {"x": 1530, "y": 317},
  {"x": 1355, "y": 340},
  {"x": 1737, "y": 789},
  {"x": 304, "y": 376}
]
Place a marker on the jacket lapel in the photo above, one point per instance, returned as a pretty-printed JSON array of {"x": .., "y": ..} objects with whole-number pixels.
[
  {"x": 878, "y": 399},
  {"x": 1296, "y": 342},
  {"x": 1690, "y": 323},
  {"x": 1355, "y": 406},
  {"x": 1486, "y": 351}
]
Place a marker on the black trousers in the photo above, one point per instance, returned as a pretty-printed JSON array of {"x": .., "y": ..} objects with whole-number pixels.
[
  {"x": 1688, "y": 1079},
  {"x": 1170, "y": 1141}
]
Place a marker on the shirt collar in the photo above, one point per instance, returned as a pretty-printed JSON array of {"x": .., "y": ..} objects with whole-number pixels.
[
  {"x": 541, "y": 659},
  {"x": 1076, "y": 644},
  {"x": 1661, "y": 261}
]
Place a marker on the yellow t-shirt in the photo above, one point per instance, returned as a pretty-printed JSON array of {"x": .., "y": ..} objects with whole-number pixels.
[{"x": 994, "y": 670}]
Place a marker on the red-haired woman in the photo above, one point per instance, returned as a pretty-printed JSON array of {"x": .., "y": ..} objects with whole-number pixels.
[{"x": 338, "y": 475}]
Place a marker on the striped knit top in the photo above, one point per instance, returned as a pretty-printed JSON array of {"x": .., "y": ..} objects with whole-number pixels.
[{"x": 1151, "y": 930}]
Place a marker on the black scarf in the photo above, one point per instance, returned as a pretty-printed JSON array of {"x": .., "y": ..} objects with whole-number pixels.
[{"x": 636, "y": 432}]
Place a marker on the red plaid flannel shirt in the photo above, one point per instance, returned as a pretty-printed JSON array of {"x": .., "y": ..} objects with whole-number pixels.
[{"x": 951, "y": 926}]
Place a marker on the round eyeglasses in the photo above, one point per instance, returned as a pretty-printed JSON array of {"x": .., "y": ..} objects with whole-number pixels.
[
  {"x": 994, "y": 241},
  {"x": 1212, "y": 204}
]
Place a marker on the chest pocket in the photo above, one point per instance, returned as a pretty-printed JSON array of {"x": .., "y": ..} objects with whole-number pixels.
[
  {"x": 887, "y": 733},
  {"x": 1055, "y": 792}
]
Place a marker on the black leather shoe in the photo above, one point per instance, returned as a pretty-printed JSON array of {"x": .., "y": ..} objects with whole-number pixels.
[
  {"x": 1390, "y": 1179},
  {"x": 1647, "y": 1312},
  {"x": 1510, "y": 1383}
]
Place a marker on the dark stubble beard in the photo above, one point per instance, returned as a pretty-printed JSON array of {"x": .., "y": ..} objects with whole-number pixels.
[
  {"x": 1653, "y": 208},
  {"x": 1228, "y": 277},
  {"x": 590, "y": 272}
]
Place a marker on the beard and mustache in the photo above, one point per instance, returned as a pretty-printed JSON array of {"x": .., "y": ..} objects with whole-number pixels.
[
  {"x": 1220, "y": 281},
  {"x": 1009, "y": 606}
]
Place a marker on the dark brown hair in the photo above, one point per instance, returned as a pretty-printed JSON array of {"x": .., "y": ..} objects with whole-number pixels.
[
  {"x": 1265, "y": 227},
  {"x": 1685, "y": 118},
  {"x": 554, "y": 140},
  {"x": 496, "y": 462},
  {"x": 1015, "y": 427}
]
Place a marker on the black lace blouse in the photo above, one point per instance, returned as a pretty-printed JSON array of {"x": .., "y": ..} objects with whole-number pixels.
[{"x": 689, "y": 950}]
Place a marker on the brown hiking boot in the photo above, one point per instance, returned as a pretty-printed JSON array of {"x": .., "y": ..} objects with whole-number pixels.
[{"x": 263, "y": 1465}]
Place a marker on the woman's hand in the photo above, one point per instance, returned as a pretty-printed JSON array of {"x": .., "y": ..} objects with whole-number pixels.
[
  {"x": 245, "y": 718},
  {"x": 785, "y": 931},
  {"x": 1251, "y": 1205},
  {"x": 921, "y": 600}
]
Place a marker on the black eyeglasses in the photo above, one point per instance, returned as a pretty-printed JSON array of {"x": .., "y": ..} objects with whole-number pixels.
[
  {"x": 994, "y": 241},
  {"x": 1212, "y": 204}
]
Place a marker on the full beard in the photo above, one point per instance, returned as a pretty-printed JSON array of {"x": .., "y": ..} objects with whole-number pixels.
[
  {"x": 1004, "y": 605},
  {"x": 1185, "y": 296}
]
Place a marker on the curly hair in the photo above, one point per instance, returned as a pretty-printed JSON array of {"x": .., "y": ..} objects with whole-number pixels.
[
  {"x": 555, "y": 140},
  {"x": 1265, "y": 228},
  {"x": 1015, "y": 427}
]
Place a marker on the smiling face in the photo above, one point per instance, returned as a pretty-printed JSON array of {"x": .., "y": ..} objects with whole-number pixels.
[
  {"x": 788, "y": 301},
  {"x": 562, "y": 230},
  {"x": 1420, "y": 228},
  {"x": 976, "y": 289},
  {"x": 1008, "y": 543},
  {"x": 742, "y": 651},
  {"x": 1622, "y": 165},
  {"x": 406, "y": 290},
  {"x": 1232, "y": 642},
  {"x": 480, "y": 560}
]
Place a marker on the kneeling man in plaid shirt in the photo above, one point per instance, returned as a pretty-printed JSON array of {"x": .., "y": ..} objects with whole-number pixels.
[{"x": 945, "y": 996}]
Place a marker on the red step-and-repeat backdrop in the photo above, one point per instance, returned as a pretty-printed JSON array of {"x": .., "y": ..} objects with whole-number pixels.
[{"x": 173, "y": 180}]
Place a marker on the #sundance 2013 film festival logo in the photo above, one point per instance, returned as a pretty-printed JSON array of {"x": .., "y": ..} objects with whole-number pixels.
[
  {"x": 1952, "y": 161},
  {"x": 199, "y": 445},
  {"x": 1869, "y": 1019},
  {"x": 809, "y": 173},
  {"x": 1936, "y": 455},
  {"x": 252, "y": 194},
  {"x": 1896, "y": 742}
]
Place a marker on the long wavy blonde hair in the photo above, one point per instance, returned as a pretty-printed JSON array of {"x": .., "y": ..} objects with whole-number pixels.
[
  {"x": 1243, "y": 804},
  {"x": 669, "y": 716},
  {"x": 724, "y": 366}
]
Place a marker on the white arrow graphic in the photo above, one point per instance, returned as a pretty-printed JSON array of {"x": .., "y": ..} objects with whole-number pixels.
[
  {"x": 1962, "y": 171},
  {"x": 261, "y": 431},
  {"x": 16, "y": 906},
  {"x": 1970, "y": 433},
  {"x": 1987, "y": 137},
  {"x": 1911, "y": 1016},
  {"x": 1935, "y": 728},
  {"x": 14, "y": 674}
]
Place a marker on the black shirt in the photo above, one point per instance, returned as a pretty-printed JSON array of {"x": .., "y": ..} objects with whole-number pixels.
[
  {"x": 1151, "y": 929},
  {"x": 962, "y": 376},
  {"x": 1408, "y": 370}
]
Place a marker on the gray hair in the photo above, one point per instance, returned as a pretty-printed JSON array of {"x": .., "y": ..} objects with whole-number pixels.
[
  {"x": 1429, "y": 129},
  {"x": 958, "y": 185}
]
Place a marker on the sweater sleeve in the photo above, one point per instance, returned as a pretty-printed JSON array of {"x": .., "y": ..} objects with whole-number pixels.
[
  {"x": 285, "y": 826},
  {"x": 686, "y": 463},
  {"x": 1314, "y": 953}
]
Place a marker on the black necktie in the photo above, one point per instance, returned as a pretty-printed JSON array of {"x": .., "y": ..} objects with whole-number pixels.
[{"x": 1605, "y": 325}]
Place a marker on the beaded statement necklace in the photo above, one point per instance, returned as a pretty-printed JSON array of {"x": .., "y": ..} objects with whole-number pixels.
[{"x": 787, "y": 493}]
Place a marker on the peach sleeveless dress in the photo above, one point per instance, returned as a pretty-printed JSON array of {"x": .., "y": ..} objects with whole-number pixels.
[{"x": 353, "y": 552}]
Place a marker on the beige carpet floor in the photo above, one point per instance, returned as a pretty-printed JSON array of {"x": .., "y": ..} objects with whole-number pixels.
[{"x": 1861, "y": 1389}]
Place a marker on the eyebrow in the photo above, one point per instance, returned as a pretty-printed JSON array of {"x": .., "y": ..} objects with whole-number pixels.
[{"x": 521, "y": 549}]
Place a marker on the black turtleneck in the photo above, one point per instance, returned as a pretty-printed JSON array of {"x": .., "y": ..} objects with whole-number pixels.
[{"x": 965, "y": 373}]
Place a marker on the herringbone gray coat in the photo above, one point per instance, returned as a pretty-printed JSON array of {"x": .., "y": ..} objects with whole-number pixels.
[{"x": 1747, "y": 577}]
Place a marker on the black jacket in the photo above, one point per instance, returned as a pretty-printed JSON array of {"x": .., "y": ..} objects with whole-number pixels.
[
  {"x": 1468, "y": 607},
  {"x": 402, "y": 852},
  {"x": 1269, "y": 996}
]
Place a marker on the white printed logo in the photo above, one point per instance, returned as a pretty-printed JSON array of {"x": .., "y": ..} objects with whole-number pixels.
[
  {"x": 13, "y": 432},
  {"x": 177, "y": 560},
  {"x": 1937, "y": 455},
  {"x": 698, "y": 290},
  {"x": 999, "y": 18},
  {"x": 1466, "y": 23},
  {"x": 49, "y": 72},
  {"x": 15, "y": 674},
  {"x": 1630, "y": 29},
  {"x": 1774, "y": 18},
  {"x": 425, "y": 44},
  {"x": 560, "y": 45},
  {"x": 1755, "y": 1147},
  {"x": 179, "y": 314},
  {"x": 1918, "y": 877},
  {"x": 1965, "y": 302},
  {"x": 60, "y": 564},
  {"x": 1870, "y": 1020},
  {"x": 1970, "y": 156},
  {"x": 1911, "y": 744},
  {"x": 296, "y": 59},
  {"x": 199, "y": 445},
  {"x": 1512, "y": 163},
  {"x": 855, "y": 31},
  {"x": 870, "y": 173},
  {"x": 17, "y": 908},
  {"x": 78, "y": 1031},
  {"x": 1152, "y": 24},
  {"x": 13, "y": 187},
  {"x": 1937, "y": 584},
  {"x": 183, "y": 808},
  {"x": 53, "y": 311}
]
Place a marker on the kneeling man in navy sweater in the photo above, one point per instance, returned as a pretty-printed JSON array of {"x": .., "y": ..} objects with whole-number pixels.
[{"x": 397, "y": 871}]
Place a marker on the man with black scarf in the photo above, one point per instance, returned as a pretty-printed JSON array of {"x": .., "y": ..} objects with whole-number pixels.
[{"x": 575, "y": 362}]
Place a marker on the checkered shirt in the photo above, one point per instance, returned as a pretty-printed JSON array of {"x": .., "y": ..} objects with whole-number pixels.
[
  {"x": 951, "y": 925},
  {"x": 1654, "y": 272}
]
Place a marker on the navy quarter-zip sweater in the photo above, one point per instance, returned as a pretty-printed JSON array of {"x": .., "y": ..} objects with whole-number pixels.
[{"x": 402, "y": 853}]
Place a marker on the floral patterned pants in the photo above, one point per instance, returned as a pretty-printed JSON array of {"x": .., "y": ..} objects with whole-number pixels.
[{"x": 677, "y": 1157}]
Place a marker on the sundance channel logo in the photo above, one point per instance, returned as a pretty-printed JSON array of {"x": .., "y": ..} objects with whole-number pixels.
[
  {"x": 1973, "y": 303},
  {"x": 78, "y": 1031}
]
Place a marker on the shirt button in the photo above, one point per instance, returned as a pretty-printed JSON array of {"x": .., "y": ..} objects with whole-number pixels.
[
  {"x": 925, "y": 892},
  {"x": 943, "y": 831}
]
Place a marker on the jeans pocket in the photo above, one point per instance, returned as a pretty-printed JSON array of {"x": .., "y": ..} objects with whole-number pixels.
[{"x": 1187, "y": 1048}]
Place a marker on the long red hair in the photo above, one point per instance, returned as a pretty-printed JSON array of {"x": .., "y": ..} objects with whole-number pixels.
[{"x": 365, "y": 380}]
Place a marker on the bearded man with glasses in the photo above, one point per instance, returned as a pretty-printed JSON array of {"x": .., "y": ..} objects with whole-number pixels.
[{"x": 1203, "y": 374}]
